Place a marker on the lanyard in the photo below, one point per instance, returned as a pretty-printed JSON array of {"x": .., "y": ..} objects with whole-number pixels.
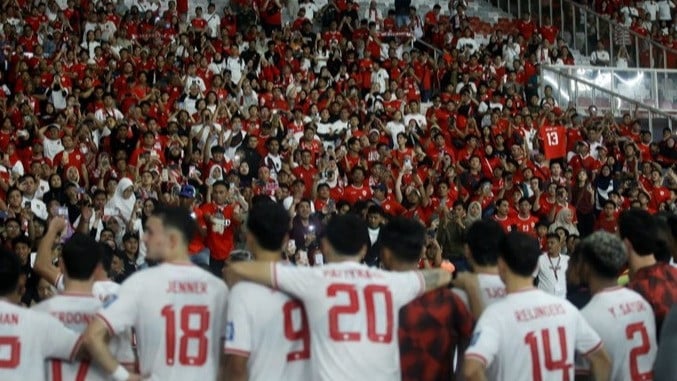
[{"x": 553, "y": 267}]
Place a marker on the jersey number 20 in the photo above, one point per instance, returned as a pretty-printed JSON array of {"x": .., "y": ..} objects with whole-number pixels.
[
  {"x": 194, "y": 323},
  {"x": 370, "y": 294}
]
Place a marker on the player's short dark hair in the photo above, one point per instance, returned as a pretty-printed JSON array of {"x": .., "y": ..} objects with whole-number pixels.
[
  {"x": 638, "y": 227},
  {"x": 220, "y": 183},
  {"x": 81, "y": 254},
  {"x": 347, "y": 234},
  {"x": 179, "y": 219},
  {"x": 604, "y": 253},
  {"x": 553, "y": 235},
  {"x": 10, "y": 270},
  {"x": 268, "y": 222},
  {"x": 520, "y": 252},
  {"x": 484, "y": 239},
  {"x": 404, "y": 237}
]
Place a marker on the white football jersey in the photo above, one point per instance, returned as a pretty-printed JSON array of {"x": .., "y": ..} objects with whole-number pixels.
[
  {"x": 27, "y": 338},
  {"x": 492, "y": 290},
  {"x": 551, "y": 273},
  {"x": 178, "y": 312},
  {"x": 103, "y": 290},
  {"x": 271, "y": 329},
  {"x": 76, "y": 311},
  {"x": 352, "y": 313},
  {"x": 531, "y": 335},
  {"x": 627, "y": 326}
]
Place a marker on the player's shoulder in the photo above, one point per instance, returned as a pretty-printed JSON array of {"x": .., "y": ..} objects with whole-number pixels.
[{"x": 250, "y": 290}]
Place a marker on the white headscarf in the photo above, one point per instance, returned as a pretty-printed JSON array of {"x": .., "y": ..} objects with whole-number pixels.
[
  {"x": 123, "y": 206},
  {"x": 212, "y": 171}
]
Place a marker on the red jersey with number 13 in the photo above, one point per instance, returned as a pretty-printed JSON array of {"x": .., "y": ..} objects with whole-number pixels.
[{"x": 554, "y": 141}]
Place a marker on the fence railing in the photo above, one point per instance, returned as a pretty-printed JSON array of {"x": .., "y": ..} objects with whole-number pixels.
[
  {"x": 581, "y": 28},
  {"x": 572, "y": 88},
  {"x": 656, "y": 88}
]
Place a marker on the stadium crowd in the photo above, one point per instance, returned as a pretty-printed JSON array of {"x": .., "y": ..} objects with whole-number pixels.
[{"x": 112, "y": 112}]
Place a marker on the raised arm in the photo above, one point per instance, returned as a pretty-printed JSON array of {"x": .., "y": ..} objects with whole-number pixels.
[
  {"x": 43, "y": 261},
  {"x": 435, "y": 278},
  {"x": 257, "y": 272},
  {"x": 600, "y": 364}
]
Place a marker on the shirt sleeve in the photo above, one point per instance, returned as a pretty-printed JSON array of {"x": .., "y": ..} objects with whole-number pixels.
[
  {"x": 238, "y": 339},
  {"x": 62, "y": 343},
  {"x": 120, "y": 310},
  {"x": 587, "y": 340},
  {"x": 300, "y": 282},
  {"x": 485, "y": 340},
  {"x": 406, "y": 286}
]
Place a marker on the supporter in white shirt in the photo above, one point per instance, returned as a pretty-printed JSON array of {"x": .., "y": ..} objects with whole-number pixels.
[
  {"x": 218, "y": 64},
  {"x": 614, "y": 309},
  {"x": 552, "y": 267},
  {"x": 268, "y": 336},
  {"x": 530, "y": 335},
  {"x": 311, "y": 9},
  {"x": 236, "y": 66},
  {"x": 651, "y": 8},
  {"x": 664, "y": 10},
  {"x": 415, "y": 114},
  {"x": 600, "y": 57},
  {"x": 511, "y": 50},
  {"x": 380, "y": 77},
  {"x": 51, "y": 141},
  {"x": 213, "y": 21},
  {"x": 361, "y": 342},
  {"x": 483, "y": 286},
  {"x": 373, "y": 14}
]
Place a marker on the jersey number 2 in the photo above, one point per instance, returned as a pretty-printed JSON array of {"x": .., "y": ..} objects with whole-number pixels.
[
  {"x": 642, "y": 349},
  {"x": 545, "y": 347},
  {"x": 194, "y": 323},
  {"x": 370, "y": 293},
  {"x": 14, "y": 352}
]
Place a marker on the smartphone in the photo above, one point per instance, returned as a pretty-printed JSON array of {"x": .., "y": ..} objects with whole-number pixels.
[
  {"x": 319, "y": 259},
  {"x": 62, "y": 211},
  {"x": 165, "y": 175}
]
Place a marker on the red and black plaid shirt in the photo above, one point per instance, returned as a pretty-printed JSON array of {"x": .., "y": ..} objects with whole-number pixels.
[
  {"x": 431, "y": 327},
  {"x": 658, "y": 285}
]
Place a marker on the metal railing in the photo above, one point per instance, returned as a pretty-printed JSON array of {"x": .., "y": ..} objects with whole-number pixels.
[
  {"x": 656, "y": 88},
  {"x": 581, "y": 28},
  {"x": 574, "y": 90}
]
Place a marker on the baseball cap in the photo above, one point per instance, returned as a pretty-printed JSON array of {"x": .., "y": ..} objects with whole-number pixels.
[
  {"x": 187, "y": 191},
  {"x": 382, "y": 187}
]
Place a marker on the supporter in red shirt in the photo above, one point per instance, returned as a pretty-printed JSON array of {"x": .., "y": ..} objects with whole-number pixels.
[
  {"x": 220, "y": 219},
  {"x": 608, "y": 219},
  {"x": 357, "y": 191},
  {"x": 524, "y": 221},
  {"x": 502, "y": 215}
]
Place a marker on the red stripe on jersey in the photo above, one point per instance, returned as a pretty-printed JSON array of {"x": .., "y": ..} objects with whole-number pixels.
[
  {"x": 236, "y": 352},
  {"x": 594, "y": 349},
  {"x": 108, "y": 325},
  {"x": 76, "y": 348},
  {"x": 477, "y": 357}
]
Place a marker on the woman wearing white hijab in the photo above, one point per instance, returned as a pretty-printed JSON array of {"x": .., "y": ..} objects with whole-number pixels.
[
  {"x": 124, "y": 199},
  {"x": 564, "y": 219},
  {"x": 215, "y": 174}
]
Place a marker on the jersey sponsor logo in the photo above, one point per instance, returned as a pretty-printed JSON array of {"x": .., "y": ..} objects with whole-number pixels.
[
  {"x": 230, "y": 331},
  {"x": 108, "y": 300}
]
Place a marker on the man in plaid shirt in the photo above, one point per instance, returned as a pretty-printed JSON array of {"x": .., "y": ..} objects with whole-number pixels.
[{"x": 433, "y": 325}]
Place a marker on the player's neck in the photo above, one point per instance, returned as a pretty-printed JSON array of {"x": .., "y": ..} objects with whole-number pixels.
[
  {"x": 78, "y": 286},
  {"x": 598, "y": 284},
  {"x": 493, "y": 270},
  {"x": 177, "y": 256},
  {"x": 515, "y": 283},
  {"x": 556, "y": 255},
  {"x": 638, "y": 261}
]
